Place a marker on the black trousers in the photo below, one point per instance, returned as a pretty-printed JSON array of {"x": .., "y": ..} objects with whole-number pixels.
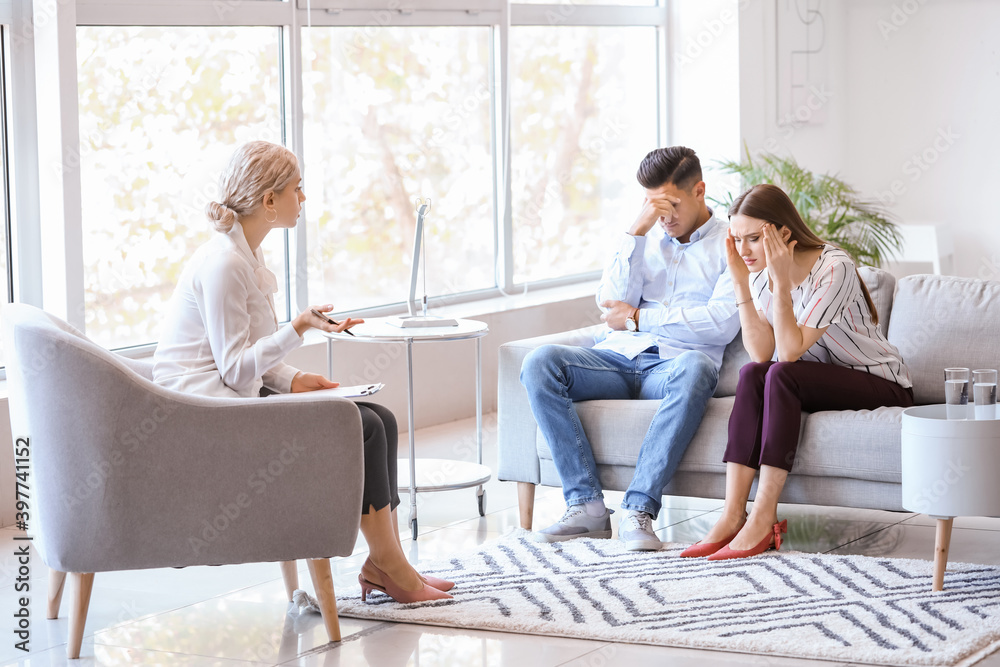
[{"x": 381, "y": 442}]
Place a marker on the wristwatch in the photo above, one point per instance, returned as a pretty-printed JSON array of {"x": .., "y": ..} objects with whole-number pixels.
[{"x": 632, "y": 322}]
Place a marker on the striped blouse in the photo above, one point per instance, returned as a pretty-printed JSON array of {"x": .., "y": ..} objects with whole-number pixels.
[{"x": 831, "y": 296}]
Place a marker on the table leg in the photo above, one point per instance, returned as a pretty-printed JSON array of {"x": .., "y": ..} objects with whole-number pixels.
[
  {"x": 942, "y": 540},
  {"x": 479, "y": 401},
  {"x": 412, "y": 429},
  {"x": 480, "y": 492}
]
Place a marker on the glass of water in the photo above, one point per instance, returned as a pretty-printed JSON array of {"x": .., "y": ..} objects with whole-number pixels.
[
  {"x": 984, "y": 391},
  {"x": 956, "y": 392}
]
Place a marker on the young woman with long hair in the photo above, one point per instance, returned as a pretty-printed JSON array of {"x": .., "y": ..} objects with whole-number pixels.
[{"x": 811, "y": 329}]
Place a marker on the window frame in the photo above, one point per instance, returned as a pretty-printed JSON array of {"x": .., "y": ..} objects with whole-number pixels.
[
  {"x": 7, "y": 212},
  {"x": 290, "y": 16}
]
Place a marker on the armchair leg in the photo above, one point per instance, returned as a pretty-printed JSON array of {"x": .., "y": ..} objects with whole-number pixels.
[
  {"x": 291, "y": 576},
  {"x": 526, "y": 503},
  {"x": 83, "y": 584},
  {"x": 319, "y": 570},
  {"x": 57, "y": 581}
]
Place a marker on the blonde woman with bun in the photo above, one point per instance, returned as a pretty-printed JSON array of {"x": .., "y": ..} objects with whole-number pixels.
[{"x": 221, "y": 338}]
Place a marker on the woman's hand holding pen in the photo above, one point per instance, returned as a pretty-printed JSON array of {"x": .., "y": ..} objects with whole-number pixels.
[
  {"x": 311, "y": 382},
  {"x": 313, "y": 318}
]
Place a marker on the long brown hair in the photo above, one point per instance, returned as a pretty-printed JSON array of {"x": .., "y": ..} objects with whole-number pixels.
[{"x": 770, "y": 203}]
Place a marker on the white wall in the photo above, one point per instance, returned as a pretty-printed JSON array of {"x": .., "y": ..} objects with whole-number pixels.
[
  {"x": 914, "y": 92},
  {"x": 924, "y": 87}
]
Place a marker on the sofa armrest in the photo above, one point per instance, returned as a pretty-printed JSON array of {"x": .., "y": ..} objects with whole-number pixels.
[{"x": 516, "y": 426}]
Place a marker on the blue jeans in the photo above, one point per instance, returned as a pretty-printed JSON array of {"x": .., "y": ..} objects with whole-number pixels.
[{"x": 556, "y": 376}]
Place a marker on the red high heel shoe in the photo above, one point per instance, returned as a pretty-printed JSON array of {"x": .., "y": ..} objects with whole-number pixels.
[
  {"x": 389, "y": 587},
  {"x": 700, "y": 549},
  {"x": 773, "y": 539},
  {"x": 440, "y": 584}
]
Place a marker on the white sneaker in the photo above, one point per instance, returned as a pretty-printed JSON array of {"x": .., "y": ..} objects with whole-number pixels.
[
  {"x": 577, "y": 523},
  {"x": 636, "y": 531}
]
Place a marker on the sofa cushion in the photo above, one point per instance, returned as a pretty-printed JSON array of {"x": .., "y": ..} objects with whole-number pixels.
[
  {"x": 881, "y": 285},
  {"x": 942, "y": 321},
  {"x": 616, "y": 430},
  {"x": 861, "y": 444},
  {"x": 732, "y": 361}
]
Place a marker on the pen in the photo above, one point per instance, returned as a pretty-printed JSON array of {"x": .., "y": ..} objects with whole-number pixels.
[{"x": 335, "y": 322}]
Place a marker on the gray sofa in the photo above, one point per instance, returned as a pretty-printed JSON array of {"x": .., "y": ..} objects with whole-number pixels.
[{"x": 845, "y": 458}]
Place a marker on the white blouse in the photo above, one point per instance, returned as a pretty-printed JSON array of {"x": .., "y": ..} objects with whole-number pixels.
[
  {"x": 221, "y": 335},
  {"x": 831, "y": 296}
]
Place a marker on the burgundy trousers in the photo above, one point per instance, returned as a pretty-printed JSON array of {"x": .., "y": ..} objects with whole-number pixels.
[{"x": 771, "y": 396}]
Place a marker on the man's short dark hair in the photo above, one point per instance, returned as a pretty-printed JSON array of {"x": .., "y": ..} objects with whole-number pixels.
[{"x": 678, "y": 165}]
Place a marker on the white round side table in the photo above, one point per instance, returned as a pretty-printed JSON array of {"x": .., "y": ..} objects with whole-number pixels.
[
  {"x": 428, "y": 474},
  {"x": 950, "y": 468}
]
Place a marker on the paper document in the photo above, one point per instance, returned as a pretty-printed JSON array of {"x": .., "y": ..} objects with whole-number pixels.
[{"x": 352, "y": 391}]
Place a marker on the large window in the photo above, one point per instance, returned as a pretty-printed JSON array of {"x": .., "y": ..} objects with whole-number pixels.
[
  {"x": 161, "y": 110},
  {"x": 383, "y": 105},
  {"x": 402, "y": 113}
]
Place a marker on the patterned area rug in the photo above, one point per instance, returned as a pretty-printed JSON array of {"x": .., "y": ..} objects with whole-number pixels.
[{"x": 845, "y": 608}]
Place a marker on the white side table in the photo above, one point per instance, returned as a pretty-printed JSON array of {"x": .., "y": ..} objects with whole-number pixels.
[
  {"x": 950, "y": 468},
  {"x": 428, "y": 474}
]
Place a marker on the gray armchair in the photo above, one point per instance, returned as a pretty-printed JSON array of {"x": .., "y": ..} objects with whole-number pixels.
[{"x": 125, "y": 474}]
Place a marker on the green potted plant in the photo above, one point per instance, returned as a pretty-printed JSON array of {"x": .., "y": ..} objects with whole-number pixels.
[{"x": 831, "y": 208}]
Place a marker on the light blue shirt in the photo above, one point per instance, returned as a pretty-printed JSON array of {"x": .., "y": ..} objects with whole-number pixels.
[{"x": 683, "y": 290}]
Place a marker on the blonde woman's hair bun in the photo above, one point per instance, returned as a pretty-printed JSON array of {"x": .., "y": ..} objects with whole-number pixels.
[
  {"x": 256, "y": 168},
  {"x": 221, "y": 216}
]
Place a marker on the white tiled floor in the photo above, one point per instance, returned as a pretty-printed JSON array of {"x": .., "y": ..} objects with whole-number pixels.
[{"x": 235, "y": 615}]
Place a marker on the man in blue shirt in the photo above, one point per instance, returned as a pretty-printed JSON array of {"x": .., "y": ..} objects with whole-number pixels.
[{"x": 670, "y": 311}]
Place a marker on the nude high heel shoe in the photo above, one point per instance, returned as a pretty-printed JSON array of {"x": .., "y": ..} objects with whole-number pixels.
[
  {"x": 440, "y": 584},
  {"x": 389, "y": 587}
]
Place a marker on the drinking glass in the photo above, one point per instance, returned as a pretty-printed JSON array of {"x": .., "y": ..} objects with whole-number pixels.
[
  {"x": 956, "y": 392},
  {"x": 984, "y": 391}
]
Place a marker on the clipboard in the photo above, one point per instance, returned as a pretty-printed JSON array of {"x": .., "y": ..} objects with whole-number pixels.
[{"x": 353, "y": 391}]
